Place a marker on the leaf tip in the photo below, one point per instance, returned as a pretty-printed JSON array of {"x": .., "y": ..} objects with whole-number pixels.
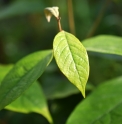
[{"x": 83, "y": 93}]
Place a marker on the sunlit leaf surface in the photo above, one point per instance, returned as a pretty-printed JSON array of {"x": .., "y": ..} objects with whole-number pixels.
[{"x": 72, "y": 59}]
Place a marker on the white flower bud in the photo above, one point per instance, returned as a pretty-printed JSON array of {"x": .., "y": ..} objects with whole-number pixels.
[{"x": 49, "y": 11}]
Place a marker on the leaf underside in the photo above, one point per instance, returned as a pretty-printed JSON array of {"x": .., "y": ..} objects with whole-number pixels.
[{"x": 32, "y": 100}]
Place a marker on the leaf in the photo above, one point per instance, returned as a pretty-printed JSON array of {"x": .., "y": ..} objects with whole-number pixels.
[
  {"x": 4, "y": 69},
  {"x": 58, "y": 88},
  {"x": 21, "y": 8},
  {"x": 33, "y": 100},
  {"x": 104, "y": 44},
  {"x": 22, "y": 75},
  {"x": 62, "y": 88},
  {"x": 103, "y": 106},
  {"x": 72, "y": 59}
]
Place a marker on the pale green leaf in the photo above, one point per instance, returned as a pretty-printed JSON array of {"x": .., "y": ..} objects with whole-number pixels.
[
  {"x": 103, "y": 106},
  {"x": 33, "y": 100},
  {"x": 104, "y": 44},
  {"x": 20, "y": 8},
  {"x": 22, "y": 75},
  {"x": 72, "y": 59}
]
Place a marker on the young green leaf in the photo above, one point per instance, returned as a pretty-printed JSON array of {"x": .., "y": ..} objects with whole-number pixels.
[
  {"x": 32, "y": 100},
  {"x": 103, "y": 106},
  {"x": 72, "y": 59},
  {"x": 104, "y": 44},
  {"x": 22, "y": 75}
]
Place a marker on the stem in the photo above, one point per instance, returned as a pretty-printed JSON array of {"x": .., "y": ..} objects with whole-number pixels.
[
  {"x": 71, "y": 16},
  {"x": 98, "y": 19},
  {"x": 59, "y": 24}
]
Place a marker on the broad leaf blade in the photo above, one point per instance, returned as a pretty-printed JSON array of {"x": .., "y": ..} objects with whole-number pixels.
[
  {"x": 104, "y": 105},
  {"x": 104, "y": 44},
  {"x": 72, "y": 59},
  {"x": 22, "y": 75},
  {"x": 33, "y": 100}
]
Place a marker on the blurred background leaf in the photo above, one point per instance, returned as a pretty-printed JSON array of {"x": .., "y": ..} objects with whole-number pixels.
[
  {"x": 21, "y": 7},
  {"x": 108, "y": 44},
  {"x": 103, "y": 105},
  {"x": 57, "y": 89}
]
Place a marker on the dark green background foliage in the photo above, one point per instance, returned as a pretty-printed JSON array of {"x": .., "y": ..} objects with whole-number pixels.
[{"x": 24, "y": 30}]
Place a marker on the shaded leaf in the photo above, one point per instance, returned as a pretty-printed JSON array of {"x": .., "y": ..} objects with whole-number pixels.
[
  {"x": 104, "y": 105},
  {"x": 72, "y": 59},
  {"x": 20, "y": 8},
  {"x": 4, "y": 69},
  {"x": 33, "y": 100},
  {"x": 104, "y": 44},
  {"x": 22, "y": 75},
  {"x": 56, "y": 89}
]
